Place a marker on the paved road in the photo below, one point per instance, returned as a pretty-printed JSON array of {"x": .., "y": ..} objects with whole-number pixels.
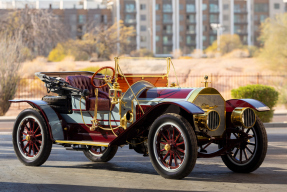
[{"x": 129, "y": 171}]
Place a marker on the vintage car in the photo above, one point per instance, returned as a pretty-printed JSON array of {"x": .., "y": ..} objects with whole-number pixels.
[{"x": 172, "y": 125}]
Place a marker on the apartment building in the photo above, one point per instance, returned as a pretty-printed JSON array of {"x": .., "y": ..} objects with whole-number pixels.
[
  {"x": 166, "y": 25},
  {"x": 74, "y": 13},
  {"x": 163, "y": 26}
]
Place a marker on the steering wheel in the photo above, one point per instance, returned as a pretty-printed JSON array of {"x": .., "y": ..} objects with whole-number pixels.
[{"x": 92, "y": 79}]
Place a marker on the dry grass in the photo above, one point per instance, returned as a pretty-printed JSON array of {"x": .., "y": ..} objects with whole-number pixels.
[
  {"x": 68, "y": 64},
  {"x": 29, "y": 68}
]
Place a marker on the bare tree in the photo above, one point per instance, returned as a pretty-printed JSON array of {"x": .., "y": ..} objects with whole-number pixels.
[
  {"x": 40, "y": 29},
  {"x": 10, "y": 57},
  {"x": 104, "y": 40}
]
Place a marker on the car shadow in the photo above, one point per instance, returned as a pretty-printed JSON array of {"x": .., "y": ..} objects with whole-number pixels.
[
  {"x": 201, "y": 172},
  {"x": 9, "y": 186}
]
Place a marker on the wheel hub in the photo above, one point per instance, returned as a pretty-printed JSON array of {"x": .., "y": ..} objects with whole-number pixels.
[
  {"x": 167, "y": 147},
  {"x": 28, "y": 138}
]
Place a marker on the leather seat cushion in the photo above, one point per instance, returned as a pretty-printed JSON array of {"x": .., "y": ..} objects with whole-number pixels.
[{"x": 84, "y": 82}]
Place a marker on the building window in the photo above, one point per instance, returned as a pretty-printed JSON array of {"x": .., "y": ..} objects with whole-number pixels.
[
  {"x": 261, "y": 7},
  {"x": 158, "y": 28},
  {"x": 225, "y": 6},
  {"x": 204, "y": 7},
  {"x": 203, "y": 38},
  {"x": 225, "y": 17},
  {"x": 276, "y": 6},
  {"x": 143, "y": 39},
  {"x": 190, "y": 40},
  {"x": 213, "y": 8},
  {"x": 143, "y": 28},
  {"x": 167, "y": 8},
  {"x": 211, "y": 39},
  {"x": 167, "y": 50},
  {"x": 97, "y": 17},
  {"x": 82, "y": 19},
  {"x": 143, "y": 6},
  {"x": 167, "y": 29},
  {"x": 181, "y": 17},
  {"x": 157, "y": 7},
  {"x": 190, "y": 8},
  {"x": 262, "y": 18},
  {"x": 204, "y": 17},
  {"x": 130, "y": 7},
  {"x": 158, "y": 17},
  {"x": 213, "y": 19},
  {"x": 190, "y": 18},
  {"x": 190, "y": 29},
  {"x": 130, "y": 18},
  {"x": 104, "y": 18},
  {"x": 167, "y": 18},
  {"x": 156, "y": 38},
  {"x": 143, "y": 17},
  {"x": 181, "y": 7}
]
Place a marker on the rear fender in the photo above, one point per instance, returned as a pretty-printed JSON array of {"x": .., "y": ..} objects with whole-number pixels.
[
  {"x": 50, "y": 116},
  {"x": 252, "y": 103},
  {"x": 184, "y": 108}
]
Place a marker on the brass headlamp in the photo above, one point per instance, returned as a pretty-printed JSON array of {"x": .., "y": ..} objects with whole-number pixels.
[
  {"x": 243, "y": 116},
  {"x": 209, "y": 120}
]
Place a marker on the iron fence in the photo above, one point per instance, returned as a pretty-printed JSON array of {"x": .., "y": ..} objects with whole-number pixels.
[{"x": 33, "y": 88}]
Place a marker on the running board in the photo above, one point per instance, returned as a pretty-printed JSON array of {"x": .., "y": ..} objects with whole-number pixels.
[{"x": 91, "y": 143}]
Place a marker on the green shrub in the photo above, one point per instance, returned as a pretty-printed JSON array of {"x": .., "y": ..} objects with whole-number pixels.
[
  {"x": 266, "y": 94},
  {"x": 57, "y": 54}
]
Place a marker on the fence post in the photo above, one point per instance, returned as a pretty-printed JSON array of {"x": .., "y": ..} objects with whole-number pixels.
[{"x": 257, "y": 78}]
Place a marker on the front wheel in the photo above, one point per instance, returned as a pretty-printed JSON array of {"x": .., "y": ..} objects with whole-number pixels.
[
  {"x": 31, "y": 141},
  {"x": 249, "y": 155},
  {"x": 100, "y": 154},
  {"x": 172, "y": 146}
]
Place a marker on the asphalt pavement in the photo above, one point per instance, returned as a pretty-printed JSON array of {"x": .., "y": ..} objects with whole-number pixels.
[{"x": 129, "y": 171}]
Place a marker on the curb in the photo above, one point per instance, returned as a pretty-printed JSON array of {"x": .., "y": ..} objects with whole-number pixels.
[
  {"x": 274, "y": 125},
  {"x": 7, "y": 119}
]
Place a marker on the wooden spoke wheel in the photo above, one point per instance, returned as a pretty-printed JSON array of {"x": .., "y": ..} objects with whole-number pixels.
[
  {"x": 172, "y": 146},
  {"x": 250, "y": 153},
  {"x": 100, "y": 154},
  {"x": 30, "y": 138},
  {"x": 169, "y": 146}
]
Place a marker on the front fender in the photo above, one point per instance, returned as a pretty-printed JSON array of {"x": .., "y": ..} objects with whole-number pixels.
[
  {"x": 252, "y": 103},
  {"x": 150, "y": 116},
  {"x": 50, "y": 116}
]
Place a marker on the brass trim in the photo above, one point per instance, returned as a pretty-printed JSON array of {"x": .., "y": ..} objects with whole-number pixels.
[
  {"x": 201, "y": 120},
  {"x": 83, "y": 143},
  {"x": 236, "y": 117}
]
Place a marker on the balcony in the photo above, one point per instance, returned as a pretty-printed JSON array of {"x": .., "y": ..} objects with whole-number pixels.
[
  {"x": 240, "y": 11},
  {"x": 167, "y": 42},
  {"x": 130, "y": 21}
]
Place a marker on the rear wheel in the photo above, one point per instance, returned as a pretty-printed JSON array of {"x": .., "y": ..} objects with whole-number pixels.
[
  {"x": 31, "y": 141},
  {"x": 100, "y": 154},
  {"x": 249, "y": 155},
  {"x": 172, "y": 146}
]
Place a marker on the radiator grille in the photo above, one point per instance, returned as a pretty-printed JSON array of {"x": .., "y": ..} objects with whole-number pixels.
[
  {"x": 248, "y": 117},
  {"x": 213, "y": 120}
]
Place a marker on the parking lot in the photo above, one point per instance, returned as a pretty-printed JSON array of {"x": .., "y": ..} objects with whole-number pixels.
[{"x": 129, "y": 171}]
